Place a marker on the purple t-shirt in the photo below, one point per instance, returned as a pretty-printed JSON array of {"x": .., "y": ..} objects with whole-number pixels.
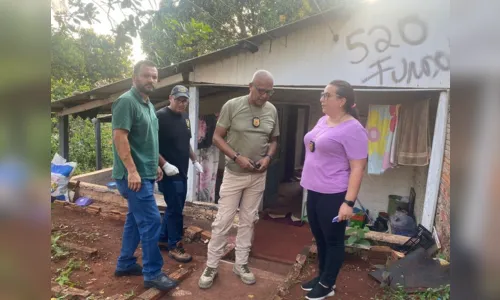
[{"x": 327, "y": 170}]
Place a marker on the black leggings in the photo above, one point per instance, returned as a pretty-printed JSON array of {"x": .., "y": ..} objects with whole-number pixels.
[{"x": 321, "y": 209}]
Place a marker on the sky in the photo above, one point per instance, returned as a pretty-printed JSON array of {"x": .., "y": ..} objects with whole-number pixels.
[{"x": 105, "y": 27}]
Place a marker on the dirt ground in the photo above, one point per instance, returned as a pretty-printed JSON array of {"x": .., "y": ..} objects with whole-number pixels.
[
  {"x": 95, "y": 274},
  {"x": 353, "y": 281}
]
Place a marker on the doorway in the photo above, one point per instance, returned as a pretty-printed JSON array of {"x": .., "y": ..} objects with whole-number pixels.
[{"x": 283, "y": 193}]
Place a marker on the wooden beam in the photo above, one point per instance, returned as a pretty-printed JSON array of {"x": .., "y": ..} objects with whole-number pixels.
[
  {"x": 194, "y": 103},
  {"x": 88, "y": 106},
  {"x": 171, "y": 80},
  {"x": 161, "y": 104},
  {"x": 98, "y": 144},
  {"x": 174, "y": 79},
  {"x": 64, "y": 137}
]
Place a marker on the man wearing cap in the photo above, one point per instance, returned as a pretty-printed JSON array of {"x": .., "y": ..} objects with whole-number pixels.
[
  {"x": 175, "y": 151},
  {"x": 247, "y": 133}
]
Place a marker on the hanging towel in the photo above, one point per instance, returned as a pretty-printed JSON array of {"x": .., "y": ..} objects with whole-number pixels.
[
  {"x": 380, "y": 125},
  {"x": 412, "y": 145}
]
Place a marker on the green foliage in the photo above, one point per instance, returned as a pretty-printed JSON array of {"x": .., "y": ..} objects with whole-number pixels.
[
  {"x": 81, "y": 62},
  {"x": 442, "y": 293},
  {"x": 63, "y": 279},
  {"x": 185, "y": 29},
  {"x": 56, "y": 250},
  {"x": 358, "y": 236}
]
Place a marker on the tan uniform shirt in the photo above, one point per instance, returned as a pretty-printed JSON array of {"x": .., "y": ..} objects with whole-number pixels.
[{"x": 237, "y": 116}]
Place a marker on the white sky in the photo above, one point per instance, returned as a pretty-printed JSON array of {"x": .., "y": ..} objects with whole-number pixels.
[{"x": 116, "y": 16}]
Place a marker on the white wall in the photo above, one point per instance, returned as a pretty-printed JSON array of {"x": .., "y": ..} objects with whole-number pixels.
[{"x": 418, "y": 55}]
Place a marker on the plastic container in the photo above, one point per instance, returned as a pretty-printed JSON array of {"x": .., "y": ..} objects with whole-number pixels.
[{"x": 423, "y": 239}]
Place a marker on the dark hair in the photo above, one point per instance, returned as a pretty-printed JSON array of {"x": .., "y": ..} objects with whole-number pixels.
[
  {"x": 141, "y": 63},
  {"x": 345, "y": 90}
]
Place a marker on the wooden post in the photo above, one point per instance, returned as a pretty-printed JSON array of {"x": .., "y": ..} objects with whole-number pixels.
[
  {"x": 194, "y": 102},
  {"x": 64, "y": 137},
  {"x": 98, "y": 143},
  {"x": 436, "y": 163}
]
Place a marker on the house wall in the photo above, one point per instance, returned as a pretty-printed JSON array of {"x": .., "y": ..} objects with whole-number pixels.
[
  {"x": 442, "y": 220},
  {"x": 406, "y": 40},
  {"x": 375, "y": 188}
]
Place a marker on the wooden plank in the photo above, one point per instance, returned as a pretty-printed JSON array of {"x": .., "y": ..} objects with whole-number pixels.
[
  {"x": 64, "y": 137},
  {"x": 72, "y": 246},
  {"x": 155, "y": 294},
  {"x": 385, "y": 237},
  {"x": 88, "y": 106},
  {"x": 58, "y": 290}
]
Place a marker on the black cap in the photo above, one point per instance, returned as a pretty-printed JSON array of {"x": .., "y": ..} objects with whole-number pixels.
[{"x": 180, "y": 91}]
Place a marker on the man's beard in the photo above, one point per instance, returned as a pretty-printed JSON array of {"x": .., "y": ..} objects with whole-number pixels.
[{"x": 143, "y": 89}]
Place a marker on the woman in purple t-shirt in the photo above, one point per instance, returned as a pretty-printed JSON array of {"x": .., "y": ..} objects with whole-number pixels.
[{"x": 336, "y": 156}]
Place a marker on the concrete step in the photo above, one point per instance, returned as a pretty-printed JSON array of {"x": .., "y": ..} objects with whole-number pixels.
[{"x": 227, "y": 285}]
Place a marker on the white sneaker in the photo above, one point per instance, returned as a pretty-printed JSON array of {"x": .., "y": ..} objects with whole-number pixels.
[
  {"x": 244, "y": 273},
  {"x": 207, "y": 278}
]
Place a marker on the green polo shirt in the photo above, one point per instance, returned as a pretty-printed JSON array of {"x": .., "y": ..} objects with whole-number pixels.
[{"x": 132, "y": 113}]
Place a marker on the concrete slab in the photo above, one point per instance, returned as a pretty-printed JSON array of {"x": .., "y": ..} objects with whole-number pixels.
[{"x": 227, "y": 285}]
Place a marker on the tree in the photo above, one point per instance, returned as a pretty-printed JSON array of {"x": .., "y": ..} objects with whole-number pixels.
[
  {"x": 80, "y": 62},
  {"x": 185, "y": 29}
]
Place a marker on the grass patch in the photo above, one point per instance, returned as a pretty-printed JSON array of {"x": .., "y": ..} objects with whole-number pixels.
[
  {"x": 64, "y": 274},
  {"x": 442, "y": 293}
]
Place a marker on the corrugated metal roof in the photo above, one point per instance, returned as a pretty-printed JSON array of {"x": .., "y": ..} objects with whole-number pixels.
[{"x": 187, "y": 65}]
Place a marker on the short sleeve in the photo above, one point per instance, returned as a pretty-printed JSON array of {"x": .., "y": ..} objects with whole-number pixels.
[
  {"x": 356, "y": 143},
  {"x": 123, "y": 113},
  {"x": 276, "y": 130},
  {"x": 224, "y": 116}
]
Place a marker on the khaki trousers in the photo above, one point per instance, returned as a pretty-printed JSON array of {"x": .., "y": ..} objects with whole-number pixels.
[{"x": 245, "y": 192}]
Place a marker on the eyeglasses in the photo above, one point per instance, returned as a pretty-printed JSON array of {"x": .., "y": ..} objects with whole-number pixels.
[
  {"x": 327, "y": 95},
  {"x": 264, "y": 91},
  {"x": 182, "y": 100}
]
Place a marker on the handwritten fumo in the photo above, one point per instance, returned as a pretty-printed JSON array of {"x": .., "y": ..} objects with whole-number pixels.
[{"x": 429, "y": 65}]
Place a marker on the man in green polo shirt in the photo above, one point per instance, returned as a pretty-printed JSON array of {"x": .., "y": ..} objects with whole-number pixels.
[{"x": 135, "y": 169}]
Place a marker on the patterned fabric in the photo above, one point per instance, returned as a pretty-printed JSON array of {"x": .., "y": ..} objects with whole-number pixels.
[
  {"x": 381, "y": 127},
  {"x": 209, "y": 159}
]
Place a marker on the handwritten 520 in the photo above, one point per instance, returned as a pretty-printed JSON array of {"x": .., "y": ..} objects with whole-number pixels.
[{"x": 410, "y": 69}]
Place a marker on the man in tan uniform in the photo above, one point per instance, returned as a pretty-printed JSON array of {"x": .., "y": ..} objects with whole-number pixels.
[{"x": 250, "y": 124}]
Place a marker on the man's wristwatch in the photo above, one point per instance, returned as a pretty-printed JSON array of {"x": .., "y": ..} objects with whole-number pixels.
[
  {"x": 270, "y": 156},
  {"x": 236, "y": 156},
  {"x": 349, "y": 202}
]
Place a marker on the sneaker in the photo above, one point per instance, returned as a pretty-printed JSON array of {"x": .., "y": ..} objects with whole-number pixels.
[
  {"x": 134, "y": 270},
  {"x": 244, "y": 273},
  {"x": 207, "y": 278},
  {"x": 179, "y": 254},
  {"x": 319, "y": 292},
  {"x": 162, "y": 283},
  {"x": 307, "y": 286}
]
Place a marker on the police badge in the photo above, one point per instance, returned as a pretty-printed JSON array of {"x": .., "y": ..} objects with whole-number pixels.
[{"x": 256, "y": 122}]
